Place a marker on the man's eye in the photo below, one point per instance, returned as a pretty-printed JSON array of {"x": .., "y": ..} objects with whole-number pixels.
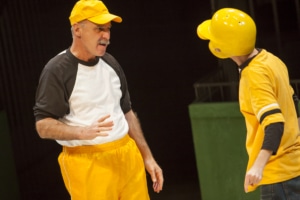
[{"x": 101, "y": 29}]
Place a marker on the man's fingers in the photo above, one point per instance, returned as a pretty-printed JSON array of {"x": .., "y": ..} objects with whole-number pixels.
[
  {"x": 102, "y": 123},
  {"x": 157, "y": 179},
  {"x": 156, "y": 187},
  {"x": 246, "y": 183},
  {"x": 246, "y": 188},
  {"x": 102, "y": 119},
  {"x": 251, "y": 180},
  {"x": 106, "y": 124},
  {"x": 103, "y": 130}
]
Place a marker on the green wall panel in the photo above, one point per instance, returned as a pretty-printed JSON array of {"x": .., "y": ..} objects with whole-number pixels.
[
  {"x": 8, "y": 179},
  {"x": 219, "y": 140}
]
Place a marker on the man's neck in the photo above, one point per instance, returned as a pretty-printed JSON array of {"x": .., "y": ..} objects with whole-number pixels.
[{"x": 239, "y": 60}]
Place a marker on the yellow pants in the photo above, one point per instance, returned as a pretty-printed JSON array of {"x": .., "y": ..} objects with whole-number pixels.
[{"x": 111, "y": 171}]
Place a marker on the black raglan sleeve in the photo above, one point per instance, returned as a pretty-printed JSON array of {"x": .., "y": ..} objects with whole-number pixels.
[{"x": 51, "y": 98}]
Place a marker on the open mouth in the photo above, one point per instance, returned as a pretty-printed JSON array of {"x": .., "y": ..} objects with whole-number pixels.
[{"x": 104, "y": 42}]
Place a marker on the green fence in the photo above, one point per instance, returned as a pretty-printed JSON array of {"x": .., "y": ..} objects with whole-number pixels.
[
  {"x": 8, "y": 179},
  {"x": 219, "y": 140}
]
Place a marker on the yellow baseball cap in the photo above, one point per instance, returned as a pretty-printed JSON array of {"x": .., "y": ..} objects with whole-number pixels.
[{"x": 92, "y": 10}]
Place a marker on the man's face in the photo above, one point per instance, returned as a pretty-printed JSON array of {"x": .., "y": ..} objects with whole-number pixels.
[{"x": 94, "y": 37}]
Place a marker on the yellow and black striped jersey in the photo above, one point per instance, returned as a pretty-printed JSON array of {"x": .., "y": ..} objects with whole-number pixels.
[{"x": 266, "y": 97}]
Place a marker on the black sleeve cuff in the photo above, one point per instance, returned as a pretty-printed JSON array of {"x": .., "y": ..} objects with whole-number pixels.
[{"x": 273, "y": 134}]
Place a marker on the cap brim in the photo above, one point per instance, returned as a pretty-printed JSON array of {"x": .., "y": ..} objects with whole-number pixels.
[
  {"x": 203, "y": 30},
  {"x": 105, "y": 18}
]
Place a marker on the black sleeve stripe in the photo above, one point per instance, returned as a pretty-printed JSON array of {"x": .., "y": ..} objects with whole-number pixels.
[
  {"x": 273, "y": 135},
  {"x": 269, "y": 113}
]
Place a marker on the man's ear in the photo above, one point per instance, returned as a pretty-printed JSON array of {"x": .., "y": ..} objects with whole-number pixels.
[{"x": 76, "y": 28}]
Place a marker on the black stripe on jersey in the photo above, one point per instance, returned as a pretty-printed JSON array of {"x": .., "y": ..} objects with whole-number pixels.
[{"x": 270, "y": 112}]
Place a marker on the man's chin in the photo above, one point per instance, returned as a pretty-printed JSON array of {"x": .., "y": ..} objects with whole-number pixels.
[{"x": 101, "y": 52}]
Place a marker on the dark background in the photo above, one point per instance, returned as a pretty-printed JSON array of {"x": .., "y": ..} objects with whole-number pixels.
[{"x": 162, "y": 56}]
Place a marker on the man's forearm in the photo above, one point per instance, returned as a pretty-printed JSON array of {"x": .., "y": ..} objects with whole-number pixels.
[
  {"x": 136, "y": 133},
  {"x": 262, "y": 158},
  {"x": 50, "y": 128}
]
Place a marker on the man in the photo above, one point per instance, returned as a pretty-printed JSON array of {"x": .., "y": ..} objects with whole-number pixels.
[
  {"x": 82, "y": 102},
  {"x": 266, "y": 102}
]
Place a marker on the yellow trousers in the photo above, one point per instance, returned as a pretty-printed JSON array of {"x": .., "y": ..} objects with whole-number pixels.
[{"x": 111, "y": 171}]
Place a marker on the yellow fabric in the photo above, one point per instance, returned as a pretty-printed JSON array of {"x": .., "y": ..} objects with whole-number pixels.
[
  {"x": 92, "y": 10},
  {"x": 265, "y": 87},
  {"x": 111, "y": 171}
]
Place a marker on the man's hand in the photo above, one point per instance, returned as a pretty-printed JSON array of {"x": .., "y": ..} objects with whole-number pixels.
[
  {"x": 255, "y": 173},
  {"x": 151, "y": 166},
  {"x": 100, "y": 128},
  {"x": 253, "y": 177},
  {"x": 156, "y": 175}
]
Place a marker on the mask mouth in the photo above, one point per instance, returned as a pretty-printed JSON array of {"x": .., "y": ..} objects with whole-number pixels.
[{"x": 104, "y": 42}]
